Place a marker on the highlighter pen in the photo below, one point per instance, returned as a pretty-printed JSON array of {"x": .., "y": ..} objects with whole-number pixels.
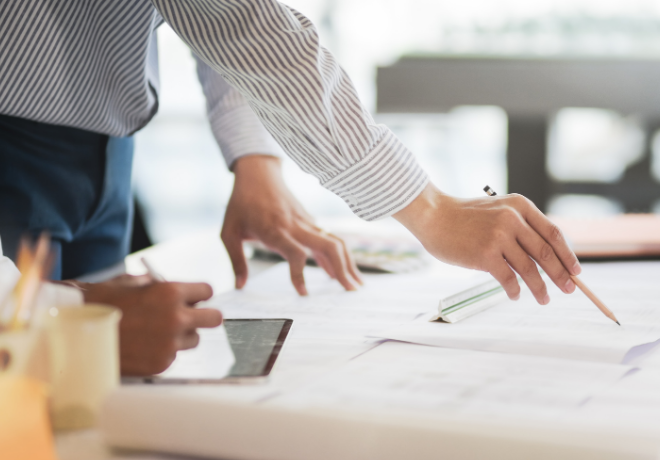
[{"x": 578, "y": 282}]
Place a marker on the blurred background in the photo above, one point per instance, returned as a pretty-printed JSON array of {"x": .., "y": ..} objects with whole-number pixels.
[{"x": 182, "y": 184}]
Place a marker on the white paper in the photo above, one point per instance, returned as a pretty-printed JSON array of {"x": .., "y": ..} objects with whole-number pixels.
[
  {"x": 633, "y": 403},
  {"x": 331, "y": 312},
  {"x": 331, "y": 326},
  {"x": 398, "y": 377},
  {"x": 570, "y": 327}
]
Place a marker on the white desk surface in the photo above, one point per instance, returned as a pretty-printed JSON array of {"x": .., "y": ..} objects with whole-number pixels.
[{"x": 195, "y": 258}]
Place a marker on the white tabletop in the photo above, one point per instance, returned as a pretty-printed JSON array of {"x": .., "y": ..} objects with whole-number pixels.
[{"x": 202, "y": 258}]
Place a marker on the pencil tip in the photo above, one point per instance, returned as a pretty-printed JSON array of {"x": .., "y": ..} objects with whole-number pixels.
[{"x": 618, "y": 323}]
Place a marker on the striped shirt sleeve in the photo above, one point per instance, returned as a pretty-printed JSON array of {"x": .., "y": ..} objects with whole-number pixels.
[
  {"x": 271, "y": 54},
  {"x": 236, "y": 127}
]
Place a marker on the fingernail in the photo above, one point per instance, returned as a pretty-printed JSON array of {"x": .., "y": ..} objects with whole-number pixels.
[
  {"x": 577, "y": 269},
  {"x": 569, "y": 287},
  {"x": 516, "y": 297},
  {"x": 546, "y": 300}
]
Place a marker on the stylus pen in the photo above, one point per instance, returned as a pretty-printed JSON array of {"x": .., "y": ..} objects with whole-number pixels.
[
  {"x": 578, "y": 282},
  {"x": 153, "y": 273}
]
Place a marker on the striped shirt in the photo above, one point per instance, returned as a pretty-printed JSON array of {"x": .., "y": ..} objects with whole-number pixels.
[{"x": 92, "y": 64}]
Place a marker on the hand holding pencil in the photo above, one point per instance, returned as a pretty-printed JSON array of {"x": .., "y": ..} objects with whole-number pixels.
[
  {"x": 501, "y": 235},
  {"x": 578, "y": 282}
]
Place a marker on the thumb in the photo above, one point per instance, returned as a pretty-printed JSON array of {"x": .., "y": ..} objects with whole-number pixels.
[{"x": 234, "y": 245}]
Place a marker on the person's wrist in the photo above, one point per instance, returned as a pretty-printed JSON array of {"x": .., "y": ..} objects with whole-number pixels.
[
  {"x": 256, "y": 164},
  {"x": 422, "y": 212},
  {"x": 257, "y": 177}
]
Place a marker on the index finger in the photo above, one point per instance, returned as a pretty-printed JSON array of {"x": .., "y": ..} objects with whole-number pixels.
[
  {"x": 202, "y": 317},
  {"x": 554, "y": 236},
  {"x": 332, "y": 250},
  {"x": 296, "y": 255}
]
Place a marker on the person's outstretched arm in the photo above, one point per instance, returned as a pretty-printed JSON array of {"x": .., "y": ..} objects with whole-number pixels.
[
  {"x": 272, "y": 55},
  {"x": 261, "y": 206}
]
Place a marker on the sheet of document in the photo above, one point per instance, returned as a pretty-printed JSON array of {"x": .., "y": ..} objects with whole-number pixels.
[
  {"x": 570, "y": 327},
  {"x": 399, "y": 377},
  {"x": 331, "y": 312},
  {"x": 633, "y": 403},
  {"x": 331, "y": 326}
]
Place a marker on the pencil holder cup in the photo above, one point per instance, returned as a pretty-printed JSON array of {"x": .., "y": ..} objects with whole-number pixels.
[{"x": 84, "y": 362}]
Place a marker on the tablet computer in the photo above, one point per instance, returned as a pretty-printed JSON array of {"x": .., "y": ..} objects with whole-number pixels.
[{"x": 256, "y": 343}]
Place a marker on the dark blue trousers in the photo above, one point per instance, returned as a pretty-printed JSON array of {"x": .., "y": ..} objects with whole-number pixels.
[{"x": 73, "y": 183}]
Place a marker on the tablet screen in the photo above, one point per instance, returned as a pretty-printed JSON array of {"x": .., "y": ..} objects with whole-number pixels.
[{"x": 256, "y": 344}]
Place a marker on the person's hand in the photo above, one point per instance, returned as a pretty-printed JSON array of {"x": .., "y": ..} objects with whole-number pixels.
[
  {"x": 158, "y": 319},
  {"x": 496, "y": 234},
  {"x": 262, "y": 208}
]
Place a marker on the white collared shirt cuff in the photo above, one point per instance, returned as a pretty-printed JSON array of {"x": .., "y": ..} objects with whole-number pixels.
[{"x": 382, "y": 183}]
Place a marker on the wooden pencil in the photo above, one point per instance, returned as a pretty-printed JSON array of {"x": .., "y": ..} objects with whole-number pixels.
[{"x": 601, "y": 306}]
